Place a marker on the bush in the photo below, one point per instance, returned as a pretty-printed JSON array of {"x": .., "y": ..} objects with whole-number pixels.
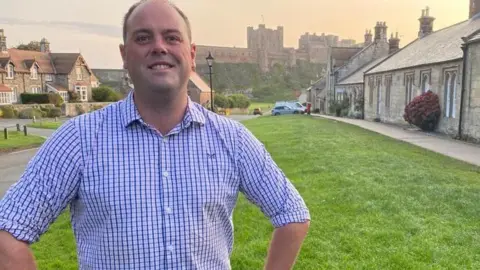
[
  {"x": 28, "y": 98},
  {"x": 239, "y": 101},
  {"x": 55, "y": 112},
  {"x": 73, "y": 97},
  {"x": 8, "y": 112},
  {"x": 55, "y": 99},
  {"x": 424, "y": 111},
  {"x": 220, "y": 101},
  {"x": 105, "y": 94},
  {"x": 30, "y": 113}
]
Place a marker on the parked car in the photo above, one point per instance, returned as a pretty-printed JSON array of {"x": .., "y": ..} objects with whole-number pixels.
[
  {"x": 285, "y": 109},
  {"x": 293, "y": 104},
  {"x": 257, "y": 111}
]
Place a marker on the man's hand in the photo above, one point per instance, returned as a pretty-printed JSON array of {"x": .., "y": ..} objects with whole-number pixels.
[
  {"x": 285, "y": 245},
  {"x": 15, "y": 254}
]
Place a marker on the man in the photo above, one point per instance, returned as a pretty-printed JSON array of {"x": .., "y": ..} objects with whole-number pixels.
[{"x": 152, "y": 180}]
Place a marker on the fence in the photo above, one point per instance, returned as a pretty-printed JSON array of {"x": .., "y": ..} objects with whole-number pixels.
[{"x": 18, "y": 129}]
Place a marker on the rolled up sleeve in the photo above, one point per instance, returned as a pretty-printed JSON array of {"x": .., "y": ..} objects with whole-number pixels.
[
  {"x": 49, "y": 183},
  {"x": 266, "y": 185}
]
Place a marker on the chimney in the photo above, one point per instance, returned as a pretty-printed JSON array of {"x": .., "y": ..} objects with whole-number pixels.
[
  {"x": 426, "y": 23},
  {"x": 381, "y": 31},
  {"x": 3, "y": 41},
  {"x": 44, "y": 45},
  {"x": 393, "y": 44},
  {"x": 474, "y": 8},
  {"x": 368, "y": 37}
]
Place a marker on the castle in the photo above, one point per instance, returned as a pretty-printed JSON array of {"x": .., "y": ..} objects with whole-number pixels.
[{"x": 266, "y": 48}]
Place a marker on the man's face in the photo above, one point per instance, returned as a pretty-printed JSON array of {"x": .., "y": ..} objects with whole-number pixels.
[{"x": 157, "y": 51}]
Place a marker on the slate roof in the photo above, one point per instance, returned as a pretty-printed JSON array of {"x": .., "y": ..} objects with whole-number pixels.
[
  {"x": 64, "y": 62},
  {"x": 343, "y": 54},
  {"x": 357, "y": 77},
  {"x": 441, "y": 46},
  {"x": 354, "y": 55}
]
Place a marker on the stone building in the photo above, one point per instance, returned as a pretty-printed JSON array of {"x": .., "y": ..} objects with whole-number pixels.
[
  {"x": 344, "y": 65},
  {"x": 446, "y": 62},
  {"x": 42, "y": 72}
]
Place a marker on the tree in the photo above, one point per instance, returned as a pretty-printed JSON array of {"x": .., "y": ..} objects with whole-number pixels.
[{"x": 32, "y": 46}]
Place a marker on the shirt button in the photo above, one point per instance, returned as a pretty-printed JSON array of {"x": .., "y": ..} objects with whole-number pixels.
[
  {"x": 165, "y": 139},
  {"x": 170, "y": 248},
  {"x": 168, "y": 210},
  {"x": 165, "y": 174}
]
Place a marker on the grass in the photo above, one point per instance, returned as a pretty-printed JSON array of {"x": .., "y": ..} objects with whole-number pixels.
[
  {"x": 17, "y": 141},
  {"x": 375, "y": 203},
  {"x": 45, "y": 124}
]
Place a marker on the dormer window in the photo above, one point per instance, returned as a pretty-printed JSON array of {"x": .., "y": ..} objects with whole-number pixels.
[
  {"x": 34, "y": 72},
  {"x": 10, "y": 72}
]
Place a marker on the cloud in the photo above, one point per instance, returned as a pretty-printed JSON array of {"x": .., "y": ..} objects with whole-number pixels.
[{"x": 89, "y": 28}]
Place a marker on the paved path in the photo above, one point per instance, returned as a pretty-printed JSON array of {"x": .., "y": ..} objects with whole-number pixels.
[{"x": 467, "y": 152}]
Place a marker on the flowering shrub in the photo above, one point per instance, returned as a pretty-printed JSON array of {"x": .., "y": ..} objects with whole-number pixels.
[{"x": 424, "y": 111}]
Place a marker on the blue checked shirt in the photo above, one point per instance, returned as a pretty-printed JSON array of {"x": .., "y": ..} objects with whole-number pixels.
[{"x": 140, "y": 200}]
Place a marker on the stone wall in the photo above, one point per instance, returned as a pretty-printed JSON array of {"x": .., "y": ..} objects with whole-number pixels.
[
  {"x": 75, "y": 109},
  {"x": 394, "y": 113},
  {"x": 471, "y": 117}
]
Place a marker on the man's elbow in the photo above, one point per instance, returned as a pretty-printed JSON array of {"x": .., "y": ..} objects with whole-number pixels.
[{"x": 15, "y": 254}]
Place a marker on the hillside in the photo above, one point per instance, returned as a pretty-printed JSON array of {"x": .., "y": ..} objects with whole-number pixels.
[{"x": 278, "y": 83}]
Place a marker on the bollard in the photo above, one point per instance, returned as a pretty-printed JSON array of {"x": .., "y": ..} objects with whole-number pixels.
[
  {"x": 18, "y": 127},
  {"x": 56, "y": 119},
  {"x": 34, "y": 119},
  {"x": 5, "y": 133},
  {"x": 25, "y": 130}
]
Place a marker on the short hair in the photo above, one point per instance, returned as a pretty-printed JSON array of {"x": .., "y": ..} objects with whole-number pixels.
[{"x": 134, "y": 6}]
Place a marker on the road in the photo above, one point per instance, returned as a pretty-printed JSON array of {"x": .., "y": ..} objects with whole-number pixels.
[{"x": 12, "y": 165}]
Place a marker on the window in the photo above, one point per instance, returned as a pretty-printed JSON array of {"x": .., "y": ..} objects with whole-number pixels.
[
  {"x": 36, "y": 90},
  {"x": 6, "y": 97},
  {"x": 34, "y": 72},
  {"x": 79, "y": 73},
  {"x": 15, "y": 94},
  {"x": 82, "y": 92},
  {"x": 450, "y": 91},
  {"x": 388, "y": 89},
  {"x": 408, "y": 88},
  {"x": 370, "y": 96},
  {"x": 64, "y": 95},
  {"x": 379, "y": 94},
  {"x": 48, "y": 78},
  {"x": 425, "y": 84},
  {"x": 10, "y": 71}
]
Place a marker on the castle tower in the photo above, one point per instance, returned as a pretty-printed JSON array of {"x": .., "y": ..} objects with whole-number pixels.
[
  {"x": 393, "y": 44},
  {"x": 381, "y": 32},
  {"x": 426, "y": 23},
  {"x": 474, "y": 8},
  {"x": 280, "y": 38},
  {"x": 251, "y": 38},
  {"x": 44, "y": 45},
  {"x": 368, "y": 37},
  {"x": 3, "y": 41}
]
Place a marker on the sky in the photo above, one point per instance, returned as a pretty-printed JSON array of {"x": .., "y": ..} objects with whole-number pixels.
[{"x": 93, "y": 27}]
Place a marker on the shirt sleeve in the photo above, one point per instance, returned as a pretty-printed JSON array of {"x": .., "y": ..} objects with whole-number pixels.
[
  {"x": 265, "y": 184},
  {"x": 48, "y": 184}
]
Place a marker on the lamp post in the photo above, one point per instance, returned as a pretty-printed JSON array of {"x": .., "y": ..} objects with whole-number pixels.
[{"x": 210, "y": 64}]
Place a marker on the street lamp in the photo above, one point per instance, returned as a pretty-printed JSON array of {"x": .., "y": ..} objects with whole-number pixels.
[{"x": 210, "y": 64}]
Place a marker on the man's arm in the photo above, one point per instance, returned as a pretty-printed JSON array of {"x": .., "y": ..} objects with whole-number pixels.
[
  {"x": 265, "y": 185},
  {"x": 285, "y": 246},
  {"x": 49, "y": 183},
  {"x": 15, "y": 254}
]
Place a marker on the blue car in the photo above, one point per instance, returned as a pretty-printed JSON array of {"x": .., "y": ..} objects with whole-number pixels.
[{"x": 285, "y": 109}]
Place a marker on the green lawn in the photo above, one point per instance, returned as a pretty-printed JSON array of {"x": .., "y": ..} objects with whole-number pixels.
[
  {"x": 45, "y": 124},
  {"x": 17, "y": 140},
  {"x": 376, "y": 203}
]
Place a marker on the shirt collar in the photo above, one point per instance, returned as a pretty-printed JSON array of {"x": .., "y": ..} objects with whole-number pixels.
[{"x": 130, "y": 113}]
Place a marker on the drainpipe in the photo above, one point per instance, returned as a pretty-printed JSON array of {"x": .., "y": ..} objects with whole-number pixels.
[{"x": 464, "y": 86}]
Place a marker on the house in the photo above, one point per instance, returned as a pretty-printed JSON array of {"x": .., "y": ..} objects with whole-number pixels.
[
  {"x": 444, "y": 61},
  {"x": 42, "y": 71},
  {"x": 198, "y": 90},
  {"x": 344, "y": 62}
]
